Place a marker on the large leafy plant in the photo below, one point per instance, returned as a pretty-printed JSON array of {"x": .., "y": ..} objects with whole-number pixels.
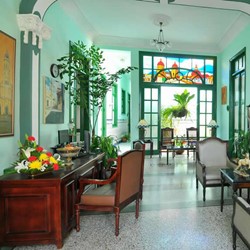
[
  {"x": 178, "y": 110},
  {"x": 107, "y": 145},
  {"x": 241, "y": 144},
  {"x": 88, "y": 81}
]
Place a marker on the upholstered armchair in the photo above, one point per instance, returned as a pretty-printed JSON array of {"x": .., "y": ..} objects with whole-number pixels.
[
  {"x": 211, "y": 157},
  {"x": 140, "y": 145},
  {"x": 241, "y": 220},
  {"x": 113, "y": 194}
]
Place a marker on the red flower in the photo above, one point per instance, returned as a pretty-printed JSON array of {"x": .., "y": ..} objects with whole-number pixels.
[
  {"x": 32, "y": 158},
  {"x": 39, "y": 149},
  {"x": 46, "y": 162},
  {"x": 31, "y": 138},
  {"x": 55, "y": 166},
  {"x": 49, "y": 154}
]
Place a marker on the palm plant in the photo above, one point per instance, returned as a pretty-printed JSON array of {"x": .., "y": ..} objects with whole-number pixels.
[{"x": 179, "y": 110}]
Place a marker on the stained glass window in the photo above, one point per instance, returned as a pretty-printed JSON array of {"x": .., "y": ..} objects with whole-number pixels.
[{"x": 178, "y": 70}]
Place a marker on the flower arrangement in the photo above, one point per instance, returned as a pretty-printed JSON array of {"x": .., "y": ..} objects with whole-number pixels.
[{"x": 34, "y": 159}]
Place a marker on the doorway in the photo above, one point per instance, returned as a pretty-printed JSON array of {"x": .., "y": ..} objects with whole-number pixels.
[{"x": 180, "y": 124}]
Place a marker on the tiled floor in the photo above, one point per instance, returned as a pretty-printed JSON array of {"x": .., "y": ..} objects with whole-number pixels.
[{"x": 173, "y": 215}]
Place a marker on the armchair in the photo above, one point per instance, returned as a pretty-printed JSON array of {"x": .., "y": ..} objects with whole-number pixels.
[
  {"x": 140, "y": 145},
  {"x": 113, "y": 194},
  {"x": 241, "y": 220},
  {"x": 211, "y": 157}
]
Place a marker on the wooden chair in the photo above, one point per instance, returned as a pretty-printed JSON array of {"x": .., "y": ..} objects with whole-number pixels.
[
  {"x": 115, "y": 193},
  {"x": 140, "y": 145},
  {"x": 192, "y": 138},
  {"x": 211, "y": 157},
  {"x": 167, "y": 140}
]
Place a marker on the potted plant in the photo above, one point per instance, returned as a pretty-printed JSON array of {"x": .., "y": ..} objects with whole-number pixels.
[
  {"x": 125, "y": 138},
  {"x": 88, "y": 83},
  {"x": 179, "y": 110},
  {"x": 241, "y": 145},
  {"x": 105, "y": 144}
]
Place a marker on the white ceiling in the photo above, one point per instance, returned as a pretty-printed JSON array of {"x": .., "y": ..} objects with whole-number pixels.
[{"x": 193, "y": 25}]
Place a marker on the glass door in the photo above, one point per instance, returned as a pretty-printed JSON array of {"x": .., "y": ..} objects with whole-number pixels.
[{"x": 150, "y": 112}]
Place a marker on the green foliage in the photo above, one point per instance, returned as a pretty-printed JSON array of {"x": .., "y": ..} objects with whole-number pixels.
[
  {"x": 241, "y": 144},
  {"x": 179, "y": 110},
  {"x": 84, "y": 67},
  {"x": 106, "y": 145}
]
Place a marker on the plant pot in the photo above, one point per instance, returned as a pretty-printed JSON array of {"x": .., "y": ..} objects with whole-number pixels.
[
  {"x": 180, "y": 113},
  {"x": 179, "y": 151}
]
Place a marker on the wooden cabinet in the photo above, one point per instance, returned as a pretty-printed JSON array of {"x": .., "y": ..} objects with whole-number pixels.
[{"x": 41, "y": 211}]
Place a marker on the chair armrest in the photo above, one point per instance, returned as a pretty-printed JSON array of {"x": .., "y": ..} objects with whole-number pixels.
[
  {"x": 200, "y": 170},
  {"x": 201, "y": 165},
  {"x": 243, "y": 203},
  {"x": 84, "y": 182}
]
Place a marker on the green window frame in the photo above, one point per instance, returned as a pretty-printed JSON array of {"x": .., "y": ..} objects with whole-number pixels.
[
  {"x": 123, "y": 102},
  {"x": 115, "y": 106},
  {"x": 181, "y": 70}
]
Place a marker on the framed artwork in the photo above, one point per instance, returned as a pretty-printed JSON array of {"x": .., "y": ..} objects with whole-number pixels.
[
  {"x": 53, "y": 104},
  {"x": 7, "y": 83},
  {"x": 224, "y": 95}
]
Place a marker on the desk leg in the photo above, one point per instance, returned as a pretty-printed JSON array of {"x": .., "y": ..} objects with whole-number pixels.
[
  {"x": 222, "y": 194},
  {"x": 151, "y": 149}
]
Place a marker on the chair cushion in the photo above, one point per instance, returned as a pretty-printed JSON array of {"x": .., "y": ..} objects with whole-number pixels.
[{"x": 103, "y": 196}]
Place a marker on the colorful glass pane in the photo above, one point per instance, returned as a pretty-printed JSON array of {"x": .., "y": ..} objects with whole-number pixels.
[
  {"x": 147, "y": 75},
  {"x": 147, "y": 62},
  {"x": 209, "y": 72}
]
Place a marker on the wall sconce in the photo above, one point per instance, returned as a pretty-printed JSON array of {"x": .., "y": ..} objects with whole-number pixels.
[
  {"x": 213, "y": 125},
  {"x": 32, "y": 23},
  {"x": 142, "y": 125}
]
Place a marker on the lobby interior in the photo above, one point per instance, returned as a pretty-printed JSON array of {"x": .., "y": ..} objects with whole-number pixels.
[{"x": 177, "y": 218}]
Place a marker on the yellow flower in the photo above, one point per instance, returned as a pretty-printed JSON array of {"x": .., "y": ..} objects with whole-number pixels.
[
  {"x": 53, "y": 160},
  {"x": 43, "y": 157},
  {"x": 35, "y": 164}
]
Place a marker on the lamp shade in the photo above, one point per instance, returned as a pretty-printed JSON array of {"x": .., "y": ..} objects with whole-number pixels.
[
  {"x": 213, "y": 124},
  {"x": 142, "y": 124}
]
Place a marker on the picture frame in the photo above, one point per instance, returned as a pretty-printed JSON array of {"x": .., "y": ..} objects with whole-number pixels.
[
  {"x": 224, "y": 95},
  {"x": 53, "y": 101},
  {"x": 7, "y": 83}
]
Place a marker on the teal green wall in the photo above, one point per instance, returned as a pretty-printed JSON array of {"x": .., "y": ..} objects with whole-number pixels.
[
  {"x": 242, "y": 40},
  {"x": 8, "y": 24},
  {"x": 64, "y": 29}
]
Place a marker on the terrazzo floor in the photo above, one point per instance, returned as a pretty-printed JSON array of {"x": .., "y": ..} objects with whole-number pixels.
[{"x": 172, "y": 215}]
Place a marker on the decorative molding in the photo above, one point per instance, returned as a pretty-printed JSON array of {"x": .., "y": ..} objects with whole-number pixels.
[{"x": 32, "y": 23}]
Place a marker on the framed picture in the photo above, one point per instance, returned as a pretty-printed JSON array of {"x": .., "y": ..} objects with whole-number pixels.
[
  {"x": 53, "y": 104},
  {"x": 7, "y": 83},
  {"x": 224, "y": 95}
]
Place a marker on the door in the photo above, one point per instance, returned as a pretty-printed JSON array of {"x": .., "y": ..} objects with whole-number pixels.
[{"x": 151, "y": 113}]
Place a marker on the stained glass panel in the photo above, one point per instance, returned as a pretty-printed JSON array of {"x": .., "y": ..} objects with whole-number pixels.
[
  {"x": 147, "y": 62},
  {"x": 209, "y": 71},
  {"x": 178, "y": 70}
]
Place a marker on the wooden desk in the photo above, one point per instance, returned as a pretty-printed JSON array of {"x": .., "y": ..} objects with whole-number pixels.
[
  {"x": 234, "y": 180},
  {"x": 41, "y": 211}
]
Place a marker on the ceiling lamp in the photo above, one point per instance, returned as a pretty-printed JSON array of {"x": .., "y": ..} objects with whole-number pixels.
[{"x": 160, "y": 43}]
